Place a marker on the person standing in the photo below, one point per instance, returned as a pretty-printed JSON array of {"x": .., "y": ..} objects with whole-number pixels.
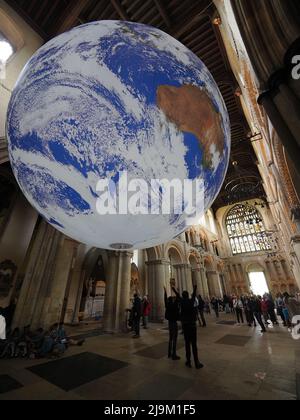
[
  {"x": 257, "y": 311},
  {"x": 265, "y": 310},
  {"x": 248, "y": 307},
  {"x": 201, "y": 307},
  {"x": 189, "y": 326},
  {"x": 226, "y": 304},
  {"x": 279, "y": 307},
  {"x": 172, "y": 316},
  {"x": 238, "y": 307},
  {"x": 215, "y": 306},
  {"x": 136, "y": 315},
  {"x": 271, "y": 310},
  {"x": 146, "y": 311},
  {"x": 285, "y": 309}
]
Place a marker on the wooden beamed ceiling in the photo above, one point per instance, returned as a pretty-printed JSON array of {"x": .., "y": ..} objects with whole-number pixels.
[{"x": 190, "y": 21}]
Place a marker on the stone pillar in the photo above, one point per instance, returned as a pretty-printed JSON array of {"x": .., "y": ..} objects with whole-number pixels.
[
  {"x": 184, "y": 273},
  {"x": 234, "y": 275},
  {"x": 279, "y": 270},
  {"x": 117, "y": 292},
  {"x": 187, "y": 270},
  {"x": 38, "y": 275},
  {"x": 142, "y": 271},
  {"x": 157, "y": 277},
  {"x": 198, "y": 282},
  {"x": 270, "y": 271},
  {"x": 179, "y": 278},
  {"x": 296, "y": 258},
  {"x": 54, "y": 305},
  {"x": 214, "y": 282},
  {"x": 16, "y": 235},
  {"x": 76, "y": 287},
  {"x": 286, "y": 270},
  {"x": 230, "y": 277},
  {"x": 204, "y": 282},
  {"x": 245, "y": 278},
  {"x": 237, "y": 273}
]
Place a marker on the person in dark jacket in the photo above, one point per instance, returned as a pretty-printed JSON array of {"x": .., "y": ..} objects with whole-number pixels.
[
  {"x": 201, "y": 307},
  {"x": 136, "y": 315},
  {"x": 189, "y": 325},
  {"x": 249, "y": 312},
  {"x": 215, "y": 305},
  {"x": 172, "y": 316},
  {"x": 271, "y": 310},
  {"x": 257, "y": 312}
]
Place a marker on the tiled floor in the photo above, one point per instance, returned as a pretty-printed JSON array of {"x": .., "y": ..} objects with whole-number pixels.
[{"x": 240, "y": 363}]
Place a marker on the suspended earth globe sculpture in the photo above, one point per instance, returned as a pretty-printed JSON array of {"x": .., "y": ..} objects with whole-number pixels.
[{"x": 103, "y": 113}]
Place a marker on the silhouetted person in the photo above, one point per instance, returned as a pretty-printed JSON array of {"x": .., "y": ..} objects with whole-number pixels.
[
  {"x": 215, "y": 306},
  {"x": 189, "y": 326},
  {"x": 257, "y": 312},
  {"x": 146, "y": 309},
  {"x": 173, "y": 316},
  {"x": 238, "y": 306},
  {"x": 136, "y": 315},
  {"x": 279, "y": 306},
  {"x": 271, "y": 311},
  {"x": 201, "y": 307},
  {"x": 249, "y": 312}
]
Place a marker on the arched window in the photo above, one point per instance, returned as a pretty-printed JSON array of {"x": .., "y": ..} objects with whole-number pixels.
[{"x": 246, "y": 230}]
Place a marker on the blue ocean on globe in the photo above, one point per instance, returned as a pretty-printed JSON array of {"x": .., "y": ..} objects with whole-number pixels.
[{"x": 105, "y": 98}]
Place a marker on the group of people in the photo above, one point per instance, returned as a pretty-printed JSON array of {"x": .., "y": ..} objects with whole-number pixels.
[
  {"x": 139, "y": 313},
  {"x": 256, "y": 309},
  {"x": 25, "y": 343}
]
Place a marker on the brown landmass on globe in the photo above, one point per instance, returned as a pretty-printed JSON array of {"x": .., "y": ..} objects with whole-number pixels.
[{"x": 192, "y": 111}]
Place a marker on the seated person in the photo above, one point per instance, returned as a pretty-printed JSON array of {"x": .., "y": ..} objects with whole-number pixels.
[
  {"x": 10, "y": 348},
  {"x": 64, "y": 339}
]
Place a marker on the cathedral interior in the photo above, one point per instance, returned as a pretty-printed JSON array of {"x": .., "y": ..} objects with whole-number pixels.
[{"x": 247, "y": 243}]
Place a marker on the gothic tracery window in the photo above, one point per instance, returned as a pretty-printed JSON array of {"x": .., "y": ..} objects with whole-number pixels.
[{"x": 246, "y": 230}]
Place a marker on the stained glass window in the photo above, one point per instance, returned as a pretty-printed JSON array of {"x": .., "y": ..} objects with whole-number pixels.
[{"x": 246, "y": 230}]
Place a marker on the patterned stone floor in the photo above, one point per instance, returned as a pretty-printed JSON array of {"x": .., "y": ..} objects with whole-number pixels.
[{"x": 240, "y": 364}]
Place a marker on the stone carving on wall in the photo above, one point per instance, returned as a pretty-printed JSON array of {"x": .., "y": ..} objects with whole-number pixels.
[{"x": 7, "y": 274}]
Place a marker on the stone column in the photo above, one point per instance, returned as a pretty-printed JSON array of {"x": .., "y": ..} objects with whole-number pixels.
[
  {"x": 296, "y": 258},
  {"x": 187, "y": 270},
  {"x": 204, "y": 282},
  {"x": 279, "y": 270},
  {"x": 142, "y": 272},
  {"x": 245, "y": 278},
  {"x": 76, "y": 287},
  {"x": 230, "y": 277},
  {"x": 234, "y": 275},
  {"x": 38, "y": 275},
  {"x": 214, "y": 283},
  {"x": 198, "y": 282},
  {"x": 15, "y": 237},
  {"x": 236, "y": 272},
  {"x": 157, "y": 278},
  {"x": 51, "y": 310},
  {"x": 286, "y": 270},
  {"x": 117, "y": 292},
  {"x": 179, "y": 278},
  {"x": 270, "y": 271},
  {"x": 184, "y": 273}
]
